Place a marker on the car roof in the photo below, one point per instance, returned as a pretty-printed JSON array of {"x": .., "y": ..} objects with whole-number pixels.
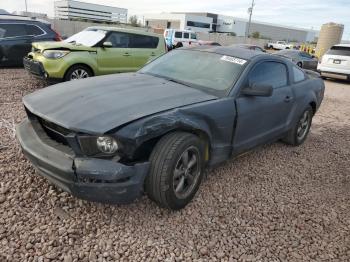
[
  {"x": 125, "y": 30},
  {"x": 19, "y": 18},
  {"x": 243, "y": 53}
]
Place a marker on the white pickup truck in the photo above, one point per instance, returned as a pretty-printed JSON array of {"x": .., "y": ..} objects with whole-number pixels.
[{"x": 279, "y": 45}]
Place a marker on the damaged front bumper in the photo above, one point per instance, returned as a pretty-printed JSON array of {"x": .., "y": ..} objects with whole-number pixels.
[{"x": 91, "y": 179}]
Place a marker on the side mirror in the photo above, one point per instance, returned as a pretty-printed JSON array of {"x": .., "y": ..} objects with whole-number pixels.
[
  {"x": 256, "y": 89},
  {"x": 107, "y": 44}
]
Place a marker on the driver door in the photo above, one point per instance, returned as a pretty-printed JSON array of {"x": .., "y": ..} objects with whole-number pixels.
[
  {"x": 263, "y": 119},
  {"x": 117, "y": 56}
]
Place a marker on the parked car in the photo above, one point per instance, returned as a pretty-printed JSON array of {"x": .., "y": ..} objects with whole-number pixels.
[
  {"x": 180, "y": 38},
  {"x": 94, "y": 51},
  {"x": 109, "y": 138},
  {"x": 279, "y": 45},
  {"x": 336, "y": 62},
  {"x": 250, "y": 47},
  {"x": 17, "y": 34},
  {"x": 300, "y": 58}
]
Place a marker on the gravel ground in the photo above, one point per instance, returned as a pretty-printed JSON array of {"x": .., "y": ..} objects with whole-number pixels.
[{"x": 276, "y": 203}]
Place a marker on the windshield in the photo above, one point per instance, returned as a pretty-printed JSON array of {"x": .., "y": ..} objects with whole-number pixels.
[
  {"x": 210, "y": 72},
  {"x": 87, "y": 37}
]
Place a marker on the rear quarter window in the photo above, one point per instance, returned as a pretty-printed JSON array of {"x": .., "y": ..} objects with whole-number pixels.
[
  {"x": 34, "y": 30},
  {"x": 298, "y": 74}
]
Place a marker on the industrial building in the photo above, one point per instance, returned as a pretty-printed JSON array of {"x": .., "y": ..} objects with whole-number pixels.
[
  {"x": 76, "y": 10},
  {"x": 208, "y": 22}
]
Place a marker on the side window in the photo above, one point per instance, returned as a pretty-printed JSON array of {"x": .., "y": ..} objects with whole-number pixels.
[
  {"x": 178, "y": 34},
  {"x": 298, "y": 74},
  {"x": 186, "y": 35},
  {"x": 304, "y": 54},
  {"x": 193, "y": 36},
  {"x": 119, "y": 39},
  {"x": 12, "y": 30},
  {"x": 269, "y": 73},
  {"x": 34, "y": 30},
  {"x": 143, "y": 41}
]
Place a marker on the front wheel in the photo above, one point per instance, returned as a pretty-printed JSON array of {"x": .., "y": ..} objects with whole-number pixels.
[
  {"x": 177, "y": 164},
  {"x": 298, "y": 134},
  {"x": 77, "y": 72}
]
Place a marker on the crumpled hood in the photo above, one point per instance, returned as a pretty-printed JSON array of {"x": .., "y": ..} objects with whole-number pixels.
[
  {"x": 54, "y": 45},
  {"x": 99, "y": 104}
]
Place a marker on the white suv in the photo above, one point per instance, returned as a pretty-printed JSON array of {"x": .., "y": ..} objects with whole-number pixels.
[{"x": 336, "y": 62}]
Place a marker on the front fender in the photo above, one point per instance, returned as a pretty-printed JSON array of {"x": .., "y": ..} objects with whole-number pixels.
[{"x": 135, "y": 134}]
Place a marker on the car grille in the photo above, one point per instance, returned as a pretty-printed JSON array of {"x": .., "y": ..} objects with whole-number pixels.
[{"x": 55, "y": 131}]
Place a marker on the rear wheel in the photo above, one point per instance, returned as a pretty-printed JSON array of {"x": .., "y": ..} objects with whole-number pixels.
[
  {"x": 77, "y": 72},
  {"x": 298, "y": 134},
  {"x": 177, "y": 164}
]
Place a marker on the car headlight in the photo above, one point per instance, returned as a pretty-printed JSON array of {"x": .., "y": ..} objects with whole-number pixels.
[
  {"x": 107, "y": 144},
  {"x": 55, "y": 54}
]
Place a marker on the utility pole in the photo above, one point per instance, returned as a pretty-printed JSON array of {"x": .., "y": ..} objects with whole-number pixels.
[
  {"x": 250, "y": 12},
  {"x": 26, "y": 5}
]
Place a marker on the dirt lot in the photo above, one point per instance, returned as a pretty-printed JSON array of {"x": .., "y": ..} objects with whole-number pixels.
[{"x": 276, "y": 203}]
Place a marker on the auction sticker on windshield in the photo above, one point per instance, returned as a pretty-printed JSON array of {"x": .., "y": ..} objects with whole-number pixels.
[{"x": 234, "y": 60}]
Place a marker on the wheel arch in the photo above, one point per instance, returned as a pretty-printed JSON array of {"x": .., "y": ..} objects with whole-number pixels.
[{"x": 144, "y": 149}]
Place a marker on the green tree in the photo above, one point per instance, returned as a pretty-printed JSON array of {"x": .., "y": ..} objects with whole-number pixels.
[
  {"x": 133, "y": 20},
  {"x": 256, "y": 35}
]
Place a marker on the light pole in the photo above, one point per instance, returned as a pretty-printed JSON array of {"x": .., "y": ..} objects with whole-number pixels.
[
  {"x": 250, "y": 12},
  {"x": 26, "y": 6}
]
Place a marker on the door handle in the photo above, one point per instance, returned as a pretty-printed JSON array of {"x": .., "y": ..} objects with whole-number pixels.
[
  {"x": 126, "y": 54},
  {"x": 153, "y": 54},
  {"x": 287, "y": 99}
]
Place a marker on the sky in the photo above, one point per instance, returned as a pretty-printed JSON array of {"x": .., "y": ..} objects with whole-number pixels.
[{"x": 301, "y": 13}]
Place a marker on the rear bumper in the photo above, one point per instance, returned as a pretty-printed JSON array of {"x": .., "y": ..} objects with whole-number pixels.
[
  {"x": 334, "y": 72},
  {"x": 91, "y": 179}
]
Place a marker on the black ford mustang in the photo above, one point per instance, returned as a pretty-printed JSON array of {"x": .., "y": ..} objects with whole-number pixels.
[{"x": 110, "y": 138}]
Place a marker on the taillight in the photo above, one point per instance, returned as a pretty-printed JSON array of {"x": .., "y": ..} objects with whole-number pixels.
[{"x": 57, "y": 35}]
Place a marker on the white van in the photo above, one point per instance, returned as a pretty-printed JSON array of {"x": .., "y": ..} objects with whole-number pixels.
[
  {"x": 178, "y": 38},
  {"x": 336, "y": 62}
]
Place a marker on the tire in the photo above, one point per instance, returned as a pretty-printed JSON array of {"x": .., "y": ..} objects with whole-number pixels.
[
  {"x": 300, "y": 64},
  {"x": 179, "y": 45},
  {"x": 298, "y": 134},
  {"x": 77, "y": 72},
  {"x": 171, "y": 183}
]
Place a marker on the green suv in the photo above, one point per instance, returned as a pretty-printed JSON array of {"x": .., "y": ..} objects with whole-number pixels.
[{"x": 94, "y": 51}]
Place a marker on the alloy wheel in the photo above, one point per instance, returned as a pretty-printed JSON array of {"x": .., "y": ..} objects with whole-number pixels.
[
  {"x": 186, "y": 173},
  {"x": 303, "y": 125},
  {"x": 79, "y": 74}
]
